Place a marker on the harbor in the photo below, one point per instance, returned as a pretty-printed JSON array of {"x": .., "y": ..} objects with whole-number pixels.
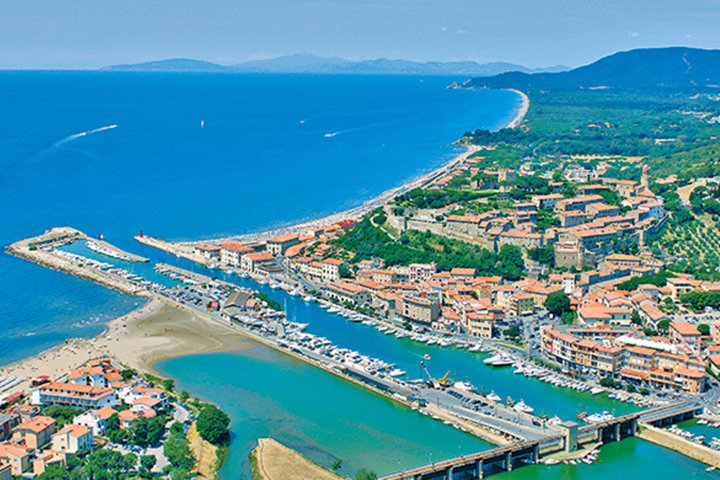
[{"x": 457, "y": 403}]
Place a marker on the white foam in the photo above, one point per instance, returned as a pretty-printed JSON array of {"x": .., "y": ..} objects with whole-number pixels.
[{"x": 75, "y": 136}]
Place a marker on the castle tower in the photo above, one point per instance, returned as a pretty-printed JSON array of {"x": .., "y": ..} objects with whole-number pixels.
[{"x": 645, "y": 179}]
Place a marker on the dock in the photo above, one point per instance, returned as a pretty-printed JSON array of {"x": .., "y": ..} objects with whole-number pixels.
[{"x": 41, "y": 250}]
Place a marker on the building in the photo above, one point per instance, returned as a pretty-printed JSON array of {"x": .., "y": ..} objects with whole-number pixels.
[
  {"x": 418, "y": 309},
  {"x": 679, "y": 286},
  {"x": 231, "y": 252},
  {"x": 522, "y": 304},
  {"x": 35, "y": 432},
  {"x": 601, "y": 210},
  {"x": 384, "y": 277},
  {"x": 348, "y": 292},
  {"x": 277, "y": 246},
  {"x": 17, "y": 457},
  {"x": 547, "y": 202},
  {"x": 72, "y": 438},
  {"x": 127, "y": 417},
  {"x": 46, "y": 459},
  {"x": 685, "y": 335},
  {"x": 7, "y": 422},
  {"x": 331, "y": 270},
  {"x": 480, "y": 325},
  {"x": 5, "y": 471},
  {"x": 418, "y": 272},
  {"x": 79, "y": 396},
  {"x": 616, "y": 352},
  {"x": 208, "y": 252},
  {"x": 251, "y": 262},
  {"x": 621, "y": 260},
  {"x": 95, "y": 420},
  {"x": 595, "y": 312}
]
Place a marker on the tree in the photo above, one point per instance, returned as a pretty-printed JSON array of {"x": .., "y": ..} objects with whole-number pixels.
[
  {"x": 336, "y": 464},
  {"x": 130, "y": 461},
  {"x": 513, "y": 331},
  {"x": 635, "y": 318},
  {"x": 54, "y": 472},
  {"x": 704, "y": 329},
  {"x": 148, "y": 462},
  {"x": 127, "y": 374},
  {"x": 212, "y": 425},
  {"x": 567, "y": 317},
  {"x": 62, "y": 414},
  {"x": 557, "y": 303},
  {"x": 177, "y": 451},
  {"x": 184, "y": 395},
  {"x": 663, "y": 325},
  {"x": 363, "y": 474},
  {"x": 177, "y": 430}
]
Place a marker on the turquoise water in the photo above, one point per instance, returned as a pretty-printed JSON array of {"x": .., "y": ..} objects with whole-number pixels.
[
  {"x": 632, "y": 458},
  {"x": 261, "y": 159},
  {"x": 326, "y": 418}
]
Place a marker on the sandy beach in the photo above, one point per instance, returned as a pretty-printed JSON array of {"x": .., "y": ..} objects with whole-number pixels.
[
  {"x": 157, "y": 331},
  {"x": 185, "y": 248},
  {"x": 522, "y": 111}
]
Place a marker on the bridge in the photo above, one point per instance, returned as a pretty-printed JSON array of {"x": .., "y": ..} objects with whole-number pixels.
[{"x": 509, "y": 457}]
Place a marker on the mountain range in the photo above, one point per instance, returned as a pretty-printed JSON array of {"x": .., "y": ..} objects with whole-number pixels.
[
  {"x": 308, "y": 63},
  {"x": 671, "y": 68}
]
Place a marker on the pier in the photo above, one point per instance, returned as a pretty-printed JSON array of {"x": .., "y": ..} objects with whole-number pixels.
[{"x": 43, "y": 250}]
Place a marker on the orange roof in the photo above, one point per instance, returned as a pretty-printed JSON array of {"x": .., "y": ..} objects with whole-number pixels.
[
  {"x": 283, "y": 238},
  {"x": 684, "y": 328},
  {"x": 74, "y": 430},
  {"x": 236, "y": 247},
  {"x": 36, "y": 424},
  {"x": 105, "y": 412},
  {"x": 462, "y": 271},
  {"x": 209, "y": 248},
  {"x": 259, "y": 256},
  {"x": 688, "y": 372}
]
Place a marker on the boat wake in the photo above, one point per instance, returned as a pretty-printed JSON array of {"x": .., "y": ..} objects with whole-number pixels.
[
  {"x": 358, "y": 129},
  {"x": 75, "y": 136}
]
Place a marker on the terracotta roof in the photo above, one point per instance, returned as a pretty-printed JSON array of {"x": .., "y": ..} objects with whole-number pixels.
[
  {"x": 235, "y": 247},
  {"x": 74, "y": 430},
  {"x": 36, "y": 424},
  {"x": 684, "y": 328},
  {"x": 283, "y": 238}
]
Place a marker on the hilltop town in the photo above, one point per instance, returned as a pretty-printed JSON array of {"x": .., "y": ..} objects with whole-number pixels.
[{"x": 564, "y": 266}]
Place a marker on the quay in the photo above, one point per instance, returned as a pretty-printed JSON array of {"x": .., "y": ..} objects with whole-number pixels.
[{"x": 41, "y": 249}]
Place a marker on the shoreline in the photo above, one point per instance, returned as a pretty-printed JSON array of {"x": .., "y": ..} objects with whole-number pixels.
[
  {"x": 156, "y": 331},
  {"x": 352, "y": 213},
  {"x": 524, "y": 107}
]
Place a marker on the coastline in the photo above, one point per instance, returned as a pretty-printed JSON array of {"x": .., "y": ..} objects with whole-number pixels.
[
  {"x": 156, "y": 331},
  {"x": 524, "y": 107},
  {"x": 183, "y": 249}
]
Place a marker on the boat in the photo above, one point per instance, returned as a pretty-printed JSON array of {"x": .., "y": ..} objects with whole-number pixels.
[
  {"x": 523, "y": 407},
  {"x": 426, "y": 356},
  {"x": 396, "y": 372},
  {"x": 493, "y": 396},
  {"x": 711, "y": 468},
  {"x": 596, "y": 390},
  {"x": 467, "y": 386}
]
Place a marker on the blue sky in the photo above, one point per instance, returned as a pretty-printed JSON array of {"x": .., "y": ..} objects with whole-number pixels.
[{"x": 94, "y": 33}]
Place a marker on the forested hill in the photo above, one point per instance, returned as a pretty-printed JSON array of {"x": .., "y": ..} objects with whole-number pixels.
[{"x": 674, "y": 68}]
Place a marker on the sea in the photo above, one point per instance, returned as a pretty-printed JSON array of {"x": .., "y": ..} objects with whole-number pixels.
[{"x": 189, "y": 156}]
